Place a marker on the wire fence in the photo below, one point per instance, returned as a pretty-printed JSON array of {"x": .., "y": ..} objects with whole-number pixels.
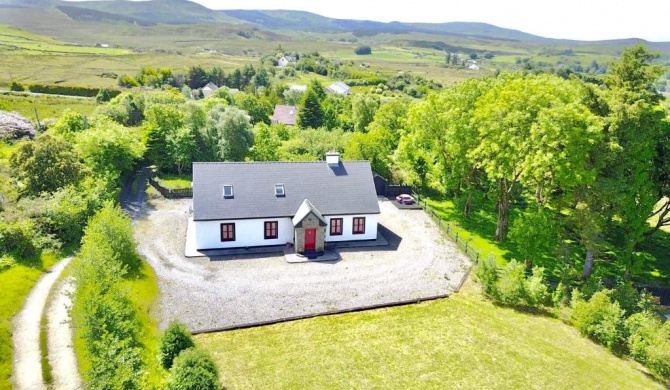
[{"x": 459, "y": 239}]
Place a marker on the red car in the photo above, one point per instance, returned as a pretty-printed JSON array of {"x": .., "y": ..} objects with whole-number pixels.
[{"x": 404, "y": 199}]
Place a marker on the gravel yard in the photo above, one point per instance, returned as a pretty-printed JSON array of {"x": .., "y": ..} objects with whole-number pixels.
[{"x": 208, "y": 293}]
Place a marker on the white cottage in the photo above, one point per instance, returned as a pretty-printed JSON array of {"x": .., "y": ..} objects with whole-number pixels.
[{"x": 272, "y": 203}]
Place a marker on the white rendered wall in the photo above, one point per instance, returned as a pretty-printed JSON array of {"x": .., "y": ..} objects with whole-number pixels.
[
  {"x": 348, "y": 226},
  {"x": 248, "y": 232}
]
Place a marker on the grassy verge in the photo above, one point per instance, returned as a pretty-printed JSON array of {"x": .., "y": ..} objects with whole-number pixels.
[
  {"x": 462, "y": 342},
  {"x": 143, "y": 292},
  {"x": 175, "y": 182},
  {"x": 44, "y": 351},
  {"x": 16, "y": 283}
]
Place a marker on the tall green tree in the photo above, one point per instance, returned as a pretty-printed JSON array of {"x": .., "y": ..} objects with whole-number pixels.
[
  {"x": 364, "y": 107},
  {"x": 534, "y": 132},
  {"x": 232, "y": 129},
  {"x": 310, "y": 112},
  {"x": 635, "y": 125}
]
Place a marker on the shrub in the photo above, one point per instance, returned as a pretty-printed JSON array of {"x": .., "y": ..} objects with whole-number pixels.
[
  {"x": 193, "y": 370},
  {"x": 18, "y": 238},
  {"x": 363, "y": 50},
  {"x": 487, "y": 273},
  {"x": 102, "y": 96},
  {"x": 174, "y": 340},
  {"x": 16, "y": 87},
  {"x": 511, "y": 285},
  {"x": 649, "y": 342},
  {"x": 600, "y": 319}
]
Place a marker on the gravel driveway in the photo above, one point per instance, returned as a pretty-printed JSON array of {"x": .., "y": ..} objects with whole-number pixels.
[{"x": 204, "y": 293}]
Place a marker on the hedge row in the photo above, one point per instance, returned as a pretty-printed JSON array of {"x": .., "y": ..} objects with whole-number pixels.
[{"x": 69, "y": 90}]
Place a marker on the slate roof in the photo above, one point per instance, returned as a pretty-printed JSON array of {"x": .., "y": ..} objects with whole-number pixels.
[
  {"x": 211, "y": 86},
  {"x": 347, "y": 188},
  {"x": 285, "y": 114},
  {"x": 304, "y": 210}
]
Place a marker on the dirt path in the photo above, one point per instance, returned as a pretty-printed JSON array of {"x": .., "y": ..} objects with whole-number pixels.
[
  {"x": 62, "y": 357},
  {"x": 26, "y": 335}
]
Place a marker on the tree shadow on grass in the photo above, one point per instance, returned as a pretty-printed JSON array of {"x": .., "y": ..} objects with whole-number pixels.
[{"x": 656, "y": 259}]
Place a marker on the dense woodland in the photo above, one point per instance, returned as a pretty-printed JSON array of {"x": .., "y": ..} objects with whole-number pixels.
[{"x": 576, "y": 169}]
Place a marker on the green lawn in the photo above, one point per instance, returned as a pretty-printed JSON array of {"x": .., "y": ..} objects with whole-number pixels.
[
  {"x": 462, "y": 342},
  {"x": 175, "y": 182},
  {"x": 16, "y": 283}
]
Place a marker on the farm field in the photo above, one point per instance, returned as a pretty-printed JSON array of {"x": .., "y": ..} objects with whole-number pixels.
[{"x": 461, "y": 342}]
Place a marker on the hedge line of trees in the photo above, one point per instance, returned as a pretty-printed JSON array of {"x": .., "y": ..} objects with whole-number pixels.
[
  {"x": 103, "y": 314},
  {"x": 69, "y": 90}
]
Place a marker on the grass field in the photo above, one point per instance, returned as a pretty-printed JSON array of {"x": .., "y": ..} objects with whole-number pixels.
[
  {"x": 47, "y": 106},
  {"x": 16, "y": 283},
  {"x": 462, "y": 342}
]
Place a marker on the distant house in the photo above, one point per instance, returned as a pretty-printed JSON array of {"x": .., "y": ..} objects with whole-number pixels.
[
  {"x": 238, "y": 205},
  {"x": 300, "y": 88},
  {"x": 208, "y": 89},
  {"x": 103, "y": 45},
  {"x": 285, "y": 60},
  {"x": 285, "y": 114},
  {"x": 339, "y": 88},
  {"x": 473, "y": 67}
]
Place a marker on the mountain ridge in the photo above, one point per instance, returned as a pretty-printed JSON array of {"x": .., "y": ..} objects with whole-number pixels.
[{"x": 188, "y": 12}]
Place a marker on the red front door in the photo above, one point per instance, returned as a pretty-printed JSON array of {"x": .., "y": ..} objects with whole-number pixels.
[{"x": 310, "y": 239}]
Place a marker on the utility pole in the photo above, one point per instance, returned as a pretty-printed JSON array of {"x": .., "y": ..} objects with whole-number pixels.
[{"x": 39, "y": 125}]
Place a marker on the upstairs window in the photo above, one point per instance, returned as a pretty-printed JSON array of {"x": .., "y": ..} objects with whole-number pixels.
[
  {"x": 228, "y": 191},
  {"x": 359, "y": 225},
  {"x": 279, "y": 190}
]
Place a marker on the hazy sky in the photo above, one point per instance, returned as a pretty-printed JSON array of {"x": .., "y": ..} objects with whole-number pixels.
[{"x": 571, "y": 19}]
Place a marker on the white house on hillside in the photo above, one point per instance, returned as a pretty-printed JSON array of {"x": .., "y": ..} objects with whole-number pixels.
[
  {"x": 285, "y": 60},
  {"x": 208, "y": 89},
  {"x": 237, "y": 205}
]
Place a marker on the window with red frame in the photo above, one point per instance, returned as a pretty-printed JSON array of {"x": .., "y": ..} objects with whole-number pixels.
[
  {"x": 359, "y": 225},
  {"x": 336, "y": 227},
  {"x": 271, "y": 230},
  {"x": 227, "y": 232}
]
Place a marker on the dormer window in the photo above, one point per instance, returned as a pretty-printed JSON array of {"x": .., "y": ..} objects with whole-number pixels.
[
  {"x": 279, "y": 190},
  {"x": 227, "y": 191}
]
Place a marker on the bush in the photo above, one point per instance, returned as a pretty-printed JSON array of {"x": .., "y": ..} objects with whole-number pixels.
[
  {"x": 600, "y": 319},
  {"x": 16, "y": 87},
  {"x": 193, "y": 370},
  {"x": 18, "y": 238},
  {"x": 363, "y": 50},
  {"x": 174, "y": 340},
  {"x": 649, "y": 342},
  {"x": 487, "y": 273},
  {"x": 510, "y": 286}
]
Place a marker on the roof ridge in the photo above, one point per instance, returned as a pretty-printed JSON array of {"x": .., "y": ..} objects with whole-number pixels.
[{"x": 271, "y": 162}]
